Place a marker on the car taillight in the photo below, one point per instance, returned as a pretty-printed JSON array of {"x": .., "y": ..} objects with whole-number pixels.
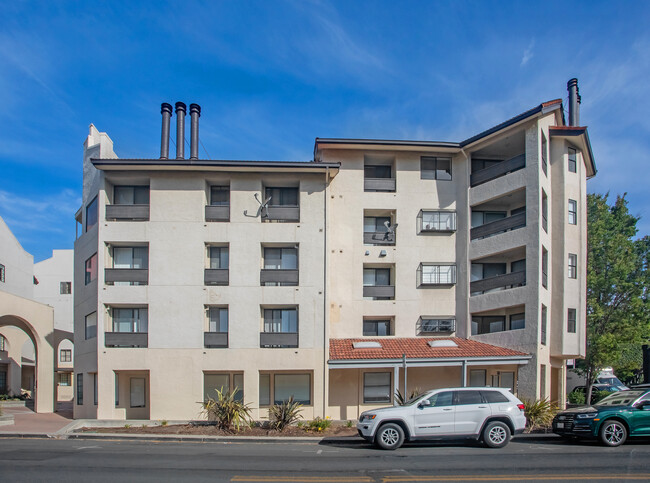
[{"x": 521, "y": 407}]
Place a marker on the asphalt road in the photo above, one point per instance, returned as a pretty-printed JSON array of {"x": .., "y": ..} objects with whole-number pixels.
[{"x": 111, "y": 461}]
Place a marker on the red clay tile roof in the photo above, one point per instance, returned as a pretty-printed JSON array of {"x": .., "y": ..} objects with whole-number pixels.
[
  {"x": 417, "y": 348},
  {"x": 550, "y": 103}
]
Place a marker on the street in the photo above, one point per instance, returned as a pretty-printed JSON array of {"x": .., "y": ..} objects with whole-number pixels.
[{"x": 524, "y": 460}]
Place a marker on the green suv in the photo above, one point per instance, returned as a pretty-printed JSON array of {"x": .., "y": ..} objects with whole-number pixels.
[{"x": 612, "y": 419}]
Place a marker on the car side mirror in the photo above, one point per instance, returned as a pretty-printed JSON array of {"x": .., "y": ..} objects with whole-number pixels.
[
  {"x": 424, "y": 403},
  {"x": 643, "y": 405}
]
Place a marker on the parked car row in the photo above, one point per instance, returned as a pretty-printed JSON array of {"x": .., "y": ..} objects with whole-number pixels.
[{"x": 493, "y": 415}]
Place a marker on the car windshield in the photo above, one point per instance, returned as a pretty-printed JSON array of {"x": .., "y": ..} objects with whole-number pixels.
[
  {"x": 612, "y": 381},
  {"x": 623, "y": 398}
]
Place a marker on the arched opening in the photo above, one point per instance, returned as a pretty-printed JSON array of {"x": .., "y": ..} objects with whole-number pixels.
[{"x": 64, "y": 371}]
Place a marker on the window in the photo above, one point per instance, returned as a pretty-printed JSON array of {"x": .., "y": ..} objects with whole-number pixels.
[
  {"x": 131, "y": 195},
  {"x": 3, "y": 382},
  {"x": 437, "y": 221},
  {"x": 91, "y": 269},
  {"x": 80, "y": 389},
  {"x": 544, "y": 268},
  {"x": 280, "y": 259},
  {"x": 376, "y": 387},
  {"x": 571, "y": 321},
  {"x": 138, "y": 392},
  {"x": 64, "y": 379},
  {"x": 435, "y": 168},
  {"x": 573, "y": 160},
  {"x": 3, "y": 343},
  {"x": 373, "y": 171},
  {"x": 95, "y": 389},
  {"x": 218, "y": 319},
  {"x": 544, "y": 155},
  {"x": 376, "y": 327},
  {"x": 2, "y": 273},
  {"x": 544, "y": 325},
  {"x": 375, "y": 224},
  {"x": 282, "y": 196},
  {"x": 542, "y": 381},
  {"x": 442, "y": 399},
  {"x": 219, "y": 257},
  {"x": 492, "y": 397},
  {"x": 131, "y": 257},
  {"x": 477, "y": 378},
  {"x": 517, "y": 321},
  {"x": 65, "y": 355},
  {"x": 432, "y": 274},
  {"x": 219, "y": 195},
  {"x": 281, "y": 320},
  {"x": 376, "y": 230},
  {"x": 90, "y": 324},
  {"x": 573, "y": 212},
  {"x": 468, "y": 397},
  {"x": 479, "y": 164},
  {"x": 130, "y": 320},
  {"x": 280, "y": 387},
  {"x": 573, "y": 265},
  {"x": 428, "y": 325},
  {"x": 374, "y": 277},
  {"x": 91, "y": 214},
  {"x": 224, "y": 382},
  {"x": 544, "y": 211},
  {"x": 488, "y": 324},
  {"x": 65, "y": 288}
]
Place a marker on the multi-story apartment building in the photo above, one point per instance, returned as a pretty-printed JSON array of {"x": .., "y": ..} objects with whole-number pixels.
[{"x": 378, "y": 266}]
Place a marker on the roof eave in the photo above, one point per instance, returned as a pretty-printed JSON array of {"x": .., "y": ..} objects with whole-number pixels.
[{"x": 583, "y": 135}]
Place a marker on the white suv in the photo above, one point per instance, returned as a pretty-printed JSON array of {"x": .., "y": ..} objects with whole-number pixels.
[{"x": 488, "y": 413}]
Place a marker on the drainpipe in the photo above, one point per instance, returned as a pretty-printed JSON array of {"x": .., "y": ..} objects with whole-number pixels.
[
  {"x": 463, "y": 378},
  {"x": 326, "y": 342}
]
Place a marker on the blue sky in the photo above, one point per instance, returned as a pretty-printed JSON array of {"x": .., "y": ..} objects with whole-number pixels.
[{"x": 273, "y": 75}]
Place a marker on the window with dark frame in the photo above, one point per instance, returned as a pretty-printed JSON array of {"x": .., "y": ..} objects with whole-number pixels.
[
  {"x": 130, "y": 320},
  {"x": 65, "y": 379},
  {"x": 218, "y": 319},
  {"x": 544, "y": 155},
  {"x": 571, "y": 321},
  {"x": 131, "y": 195},
  {"x": 573, "y": 160},
  {"x": 2, "y": 273},
  {"x": 543, "y": 324},
  {"x": 431, "y": 325},
  {"x": 573, "y": 212},
  {"x": 65, "y": 288},
  {"x": 433, "y": 167},
  {"x": 376, "y": 328},
  {"x": 544, "y": 267},
  {"x": 219, "y": 257},
  {"x": 80, "y": 389},
  {"x": 282, "y": 196},
  {"x": 92, "y": 214},
  {"x": 90, "y": 273},
  {"x": 517, "y": 321},
  {"x": 544, "y": 211},
  {"x": 376, "y": 387},
  {"x": 219, "y": 195},
  {"x": 281, "y": 320},
  {"x": 65, "y": 355},
  {"x": 90, "y": 325},
  {"x": 573, "y": 265}
]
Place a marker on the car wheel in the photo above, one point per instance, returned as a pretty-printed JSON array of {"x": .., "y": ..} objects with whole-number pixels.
[
  {"x": 496, "y": 434},
  {"x": 613, "y": 433},
  {"x": 389, "y": 436}
]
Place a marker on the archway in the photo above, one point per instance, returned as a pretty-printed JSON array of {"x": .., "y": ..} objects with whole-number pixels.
[
  {"x": 36, "y": 321},
  {"x": 64, "y": 368}
]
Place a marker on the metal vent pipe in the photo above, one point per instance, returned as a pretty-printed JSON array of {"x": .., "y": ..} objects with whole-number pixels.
[
  {"x": 166, "y": 111},
  {"x": 574, "y": 113},
  {"x": 195, "y": 113},
  {"x": 180, "y": 130}
]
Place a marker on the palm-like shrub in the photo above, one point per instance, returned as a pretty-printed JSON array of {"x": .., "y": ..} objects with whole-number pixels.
[
  {"x": 539, "y": 413},
  {"x": 226, "y": 410},
  {"x": 401, "y": 400},
  {"x": 283, "y": 414}
]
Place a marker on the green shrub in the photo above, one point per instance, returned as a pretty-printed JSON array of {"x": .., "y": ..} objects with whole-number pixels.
[
  {"x": 598, "y": 395},
  {"x": 399, "y": 397},
  {"x": 319, "y": 424},
  {"x": 226, "y": 410},
  {"x": 127, "y": 426},
  {"x": 539, "y": 413},
  {"x": 163, "y": 422},
  {"x": 283, "y": 414},
  {"x": 348, "y": 424},
  {"x": 577, "y": 397}
]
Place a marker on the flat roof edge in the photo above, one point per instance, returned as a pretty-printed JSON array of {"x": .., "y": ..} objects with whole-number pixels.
[{"x": 202, "y": 163}]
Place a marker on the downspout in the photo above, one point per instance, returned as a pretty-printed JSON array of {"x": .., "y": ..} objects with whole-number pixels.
[{"x": 325, "y": 338}]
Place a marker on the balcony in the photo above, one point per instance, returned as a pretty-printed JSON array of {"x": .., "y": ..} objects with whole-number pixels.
[
  {"x": 217, "y": 213},
  {"x": 379, "y": 184},
  {"x": 284, "y": 213},
  {"x": 215, "y": 340},
  {"x": 499, "y": 226},
  {"x": 498, "y": 170},
  {"x": 513, "y": 279},
  {"x": 378, "y": 238},
  {"x": 285, "y": 339},
  {"x": 382, "y": 291},
  {"x": 127, "y": 212},
  {"x": 278, "y": 276},
  {"x": 133, "y": 275},
  {"x": 216, "y": 276},
  {"x": 126, "y": 339}
]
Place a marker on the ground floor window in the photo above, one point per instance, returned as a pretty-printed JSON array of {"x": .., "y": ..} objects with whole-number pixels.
[
  {"x": 80, "y": 389},
  {"x": 137, "y": 387},
  {"x": 3, "y": 381},
  {"x": 95, "y": 389},
  {"x": 477, "y": 378},
  {"x": 280, "y": 387},
  {"x": 65, "y": 379},
  {"x": 224, "y": 381},
  {"x": 376, "y": 387}
]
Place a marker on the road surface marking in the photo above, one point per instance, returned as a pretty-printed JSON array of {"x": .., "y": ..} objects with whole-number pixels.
[{"x": 305, "y": 479}]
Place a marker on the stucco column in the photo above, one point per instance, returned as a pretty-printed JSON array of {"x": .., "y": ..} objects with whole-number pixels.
[{"x": 44, "y": 400}]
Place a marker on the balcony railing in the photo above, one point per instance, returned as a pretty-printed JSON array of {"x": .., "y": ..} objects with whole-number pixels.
[
  {"x": 379, "y": 184},
  {"x": 284, "y": 213},
  {"x": 213, "y": 340},
  {"x": 384, "y": 291},
  {"x": 217, "y": 213},
  {"x": 279, "y": 276},
  {"x": 378, "y": 238},
  {"x": 136, "y": 275},
  {"x": 513, "y": 279},
  {"x": 499, "y": 226},
  {"x": 126, "y": 339},
  {"x": 127, "y": 212},
  {"x": 216, "y": 276},
  {"x": 496, "y": 171},
  {"x": 287, "y": 339}
]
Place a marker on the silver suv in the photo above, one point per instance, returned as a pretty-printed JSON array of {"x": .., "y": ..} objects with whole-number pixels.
[{"x": 487, "y": 413}]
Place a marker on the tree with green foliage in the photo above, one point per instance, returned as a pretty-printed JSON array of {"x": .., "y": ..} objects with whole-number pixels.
[{"x": 617, "y": 282}]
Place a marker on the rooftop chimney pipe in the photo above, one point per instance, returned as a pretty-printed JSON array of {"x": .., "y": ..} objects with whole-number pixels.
[
  {"x": 574, "y": 112},
  {"x": 166, "y": 111},
  {"x": 195, "y": 113},
  {"x": 180, "y": 130}
]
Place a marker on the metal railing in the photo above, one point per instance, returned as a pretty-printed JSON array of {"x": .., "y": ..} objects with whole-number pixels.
[
  {"x": 215, "y": 339},
  {"x": 127, "y": 212},
  {"x": 139, "y": 275},
  {"x": 126, "y": 339},
  {"x": 382, "y": 291},
  {"x": 217, "y": 213},
  {"x": 279, "y": 276},
  {"x": 496, "y": 171},
  {"x": 513, "y": 279},
  {"x": 286, "y": 339},
  {"x": 499, "y": 226},
  {"x": 216, "y": 276},
  {"x": 379, "y": 184}
]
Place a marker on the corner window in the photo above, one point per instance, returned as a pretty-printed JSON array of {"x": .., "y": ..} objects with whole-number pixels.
[
  {"x": 573, "y": 265},
  {"x": 65, "y": 288},
  {"x": 573, "y": 212},
  {"x": 90, "y": 325},
  {"x": 376, "y": 387},
  {"x": 573, "y": 160},
  {"x": 91, "y": 269},
  {"x": 571, "y": 321},
  {"x": 91, "y": 214},
  {"x": 435, "y": 168}
]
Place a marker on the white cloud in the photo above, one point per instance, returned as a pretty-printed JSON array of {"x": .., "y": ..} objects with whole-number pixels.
[{"x": 528, "y": 53}]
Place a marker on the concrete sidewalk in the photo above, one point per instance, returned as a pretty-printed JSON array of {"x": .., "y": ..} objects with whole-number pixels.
[{"x": 29, "y": 423}]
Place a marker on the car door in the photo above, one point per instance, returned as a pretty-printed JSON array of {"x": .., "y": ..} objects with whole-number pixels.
[
  {"x": 640, "y": 417},
  {"x": 437, "y": 418},
  {"x": 471, "y": 411}
]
